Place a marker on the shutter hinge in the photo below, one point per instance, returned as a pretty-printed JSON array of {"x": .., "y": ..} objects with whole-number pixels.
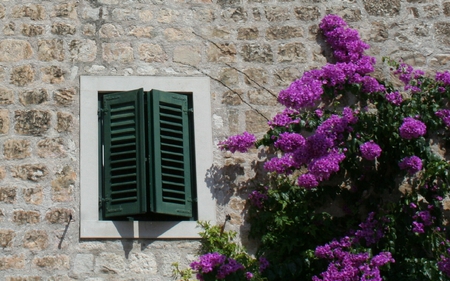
[{"x": 189, "y": 110}]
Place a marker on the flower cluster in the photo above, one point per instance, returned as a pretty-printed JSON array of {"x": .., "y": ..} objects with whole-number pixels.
[
  {"x": 370, "y": 150},
  {"x": 412, "y": 164},
  {"x": 217, "y": 265},
  {"x": 412, "y": 128},
  {"x": 422, "y": 219},
  {"x": 371, "y": 231},
  {"x": 444, "y": 114},
  {"x": 395, "y": 98},
  {"x": 409, "y": 76},
  {"x": 284, "y": 119},
  {"x": 444, "y": 265},
  {"x": 348, "y": 266},
  {"x": 239, "y": 143},
  {"x": 257, "y": 198},
  {"x": 443, "y": 77}
]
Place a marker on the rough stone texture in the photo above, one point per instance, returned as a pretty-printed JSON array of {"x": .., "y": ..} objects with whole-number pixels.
[
  {"x": 283, "y": 32},
  {"x": 35, "y": 240},
  {"x": 6, "y": 96},
  {"x": 118, "y": 52},
  {"x": 12, "y": 262},
  {"x": 22, "y": 75},
  {"x": 232, "y": 97},
  {"x": 292, "y": 52},
  {"x": 250, "y": 33},
  {"x": 152, "y": 53},
  {"x": 32, "y": 30},
  {"x": 308, "y": 13},
  {"x": 51, "y": 148},
  {"x": 386, "y": 8},
  {"x": 58, "y": 215},
  {"x": 33, "y": 195},
  {"x": 189, "y": 55},
  {"x": 8, "y": 194},
  {"x": 26, "y": 217},
  {"x": 49, "y": 50},
  {"x": 32, "y": 11},
  {"x": 16, "y": 149},
  {"x": 64, "y": 97},
  {"x": 60, "y": 28},
  {"x": 222, "y": 53},
  {"x": 32, "y": 122},
  {"x": 64, "y": 122},
  {"x": 35, "y": 96},
  {"x": 52, "y": 262},
  {"x": 32, "y": 172},
  {"x": 83, "y": 50},
  {"x": 257, "y": 53},
  {"x": 6, "y": 237},
  {"x": 63, "y": 185}
]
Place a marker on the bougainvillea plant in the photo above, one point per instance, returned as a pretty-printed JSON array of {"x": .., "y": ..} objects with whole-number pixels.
[{"x": 357, "y": 191}]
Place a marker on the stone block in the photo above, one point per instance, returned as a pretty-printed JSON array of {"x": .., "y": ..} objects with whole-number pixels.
[
  {"x": 229, "y": 76},
  {"x": 348, "y": 14},
  {"x": 2, "y": 173},
  {"x": 22, "y": 75},
  {"x": 83, "y": 50},
  {"x": 190, "y": 55},
  {"x": 65, "y": 10},
  {"x": 16, "y": 149},
  {"x": 31, "y": 30},
  {"x": 83, "y": 263},
  {"x": 142, "y": 31},
  {"x": 8, "y": 194},
  {"x": 221, "y": 52},
  {"x": 32, "y": 11},
  {"x": 255, "y": 76},
  {"x": 151, "y": 53},
  {"x": 178, "y": 34},
  {"x": 143, "y": 264},
  {"x": 35, "y": 96},
  {"x": 64, "y": 122},
  {"x": 2, "y": 11},
  {"x": 228, "y": 3},
  {"x": 52, "y": 49},
  {"x": 202, "y": 14},
  {"x": 255, "y": 123},
  {"x": 109, "y": 31},
  {"x": 6, "y": 96},
  {"x": 307, "y": 13},
  {"x": 118, "y": 52},
  {"x": 60, "y": 28},
  {"x": 257, "y": 15},
  {"x": 9, "y": 28},
  {"x": 223, "y": 32},
  {"x": 236, "y": 14},
  {"x": 261, "y": 97},
  {"x": 446, "y": 7},
  {"x": 248, "y": 33},
  {"x": 58, "y": 262},
  {"x": 63, "y": 185},
  {"x": 12, "y": 262},
  {"x": 32, "y": 122},
  {"x": 12, "y": 50},
  {"x": 32, "y": 172},
  {"x": 285, "y": 76},
  {"x": 283, "y": 32},
  {"x": 167, "y": 15},
  {"x": 52, "y": 74},
  {"x": 277, "y": 13},
  {"x": 33, "y": 195},
  {"x": 26, "y": 217},
  {"x": 23, "y": 278},
  {"x": 109, "y": 263},
  {"x": 232, "y": 97},
  {"x": 58, "y": 215},
  {"x": 383, "y": 8},
  {"x": 145, "y": 15},
  {"x": 88, "y": 29},
  {"x": 257, "y": 53},
  {"x": 120, "y": 14},
  {"x": 292, "y": 52},
  {"x": 432, "y": 11},
  {"x": 6, "y": 238},
  {"x": 4, "y": 121},
  {"x": 64, "y": 97},
  {"x": 35, "y": 240},
  {"x": 443, "y": 32}
]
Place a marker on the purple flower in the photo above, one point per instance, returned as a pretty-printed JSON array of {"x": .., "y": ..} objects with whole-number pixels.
[
  {"x": 412, "y": 128},
  {"x": 248, "y": 275},
  {"x": 444, "y": 114},
  {"x": 319, "y": 112},
  {"x": 412, "y": 164},
  {"x": 289, "y": 142},
  {"x": 257, "y": 198},
  {"x": 370, "y": 231},
  {"x": 227, "y": 268},
  {"x": 207, "y": 262},
  {"x": 239, "y": 143},
  {"x": 307, "y": 181},
  {"x": 263, "y": 264},
  {"x": 303, "y": 92},
  {"x": 417, "y": 227},
  {"x": 370, "y": 150},
  {"x": 444, "y": 77},
  {"x": 284, "y": 119},
  {"x": 395, "y": 98},
  {"x": 281, "y": 165},
  {"x": 444, "y": 266}
]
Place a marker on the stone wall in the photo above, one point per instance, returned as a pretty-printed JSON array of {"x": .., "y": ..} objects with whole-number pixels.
[{"x": 251, "y": 49}]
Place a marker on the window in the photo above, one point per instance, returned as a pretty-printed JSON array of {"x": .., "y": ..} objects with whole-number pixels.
[{"x": 168, "y": 175}]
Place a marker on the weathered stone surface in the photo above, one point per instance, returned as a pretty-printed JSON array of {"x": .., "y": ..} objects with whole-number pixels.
[
  {"x": 145, "y": 15},
  {"x": 257, "y": 14},
  {"x": 35, "y": 240},
  {"x": 23, "y": 278},
  {"x": 232, "y": 97},
  {"x": 6, "y": 237},
  {"x": 109, "y": 263},
  {"x": 83, "y": 50},
  {"x": 446, "y": 6},
  {"x": 52, "y": 49},
  {"x": 33, "y": 195},
  {"x": 12, "y": 262},
  {"x": 2, "y": 173},
  {"x": 307, "y": 13},
  {"x": 178, "y": 34},
  {"x": 9, "y": 28},
  {"x": 142, "y": 31},
  {"x": 83, "y": 263},
  {"x": 119, "y": 52},
  {"x": 283, "y": 32},
  {"x": 64, "y": 97},
  {"x": 63, "y": 185},
  {"x": 261, "y": 97},
  {"x": 260, "y": 53},
  {"x": 431, "y": 11},
  {"x": 32, "y": 122},
  {"x": 64, "y": 122},
  {"x": 32, "y": 11},
  {"x": 248, "y": 33},
  {"x": 35, "y": 96},
  {"x": 16, "y": 149},
  {"x": 65, "y": 10},
  {"x": 88, "y": 29},
  {"x": 32, "y": 30},
  {"x": 59, "y": 262},
  {"x": 190, "y": 55},
  {"x": 255, "y": 123},
  {"x": 22, "y": 75},
  {"x": 52, "y": 74},
  {"x": 222, "y": 32},
  {"x": 384, "y": 8},
  {"x": 8, "y": 194},
  {"x": 443, "y": 32},
  {"x": 15, "y": 50},
  {"x": 4, "y": 121},
  {"x": 2, "y": 11},
  {"x": 292, "y": 52},
  {"x": 229, "y": 76},
  {"x": 258, "y": 75},
  {"x": 277, "y": 13},
  {"x": 285, "y": 76},
  {"x": 26, "y": 217},
  {"x": 6, "y": 96},
  {"x": 236, "y": 14},
  {"x": 348, "y": 14},
  {"x": 151, "y": 53},
  {"x": 141, "y": 263},
  {"x": 227, "y": 3},
  {"x": 60, "y": 28},
  {"x": 109, "y": 31},
  {"x": 221, "y": 52},
  {"x": 59, "y": 215},
  {"x": 32, "y": 172},
  {"x": 167, "y": 15}
]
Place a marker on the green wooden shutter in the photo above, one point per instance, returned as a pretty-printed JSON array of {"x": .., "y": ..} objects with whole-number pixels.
[
  {"x": 171, "y": 150},
  {"x": 124, "y": 156}
]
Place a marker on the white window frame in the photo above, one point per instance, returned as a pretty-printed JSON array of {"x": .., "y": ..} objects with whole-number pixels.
[{"x": 90, "y": 224}]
